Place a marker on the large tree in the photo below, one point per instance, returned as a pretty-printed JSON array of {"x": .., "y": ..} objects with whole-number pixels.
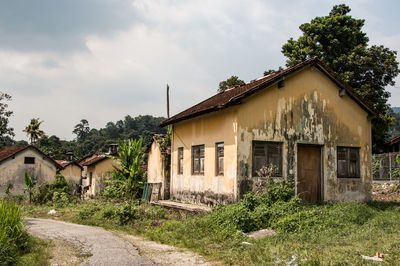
[
  {"x": 81, "y": 130},
  {"x": 33, "y": 130},
  {"x": 6, "y": 132},
  {"x": 230, "y": 83},
  {"x": 338, "y": 40}
]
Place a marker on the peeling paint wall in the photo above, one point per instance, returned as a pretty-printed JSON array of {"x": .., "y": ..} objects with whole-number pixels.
[
  {"x": 156, "y": 167},
  {"x": 72, "y": 172},
  {"x": 13, "y": 171},
  {"x": 100, "y": 172},
  {"x": 208, "y": 129},
  {"x": 307, "y": 110}
]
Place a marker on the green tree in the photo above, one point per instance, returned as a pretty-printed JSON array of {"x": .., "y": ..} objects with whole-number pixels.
[
  {"x": 6, "y": 132},
  {"x": 338, "y": 40},
  {"x": 81, "y": 130},
  {"x": 230, "y": 83},
  {"x": 30, "y": 185},
  {"x": 33, "y": 131},
  {"x": 128, "y": 175}
]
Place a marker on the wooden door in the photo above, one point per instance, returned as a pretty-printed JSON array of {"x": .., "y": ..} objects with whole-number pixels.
[{"x": 309, "y": 173}]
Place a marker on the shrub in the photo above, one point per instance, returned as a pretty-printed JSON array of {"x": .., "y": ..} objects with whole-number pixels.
[
  {"x": 87, "y": 212},
  {"x": 59, "y": 192},
  {"x": 126, "y": 213},
  {"x": 109, "y": 212},
  {"x": 13, "y": 237}
]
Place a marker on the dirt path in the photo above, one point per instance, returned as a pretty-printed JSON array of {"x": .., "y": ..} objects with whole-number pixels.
[{"x": 99, "y": 246}]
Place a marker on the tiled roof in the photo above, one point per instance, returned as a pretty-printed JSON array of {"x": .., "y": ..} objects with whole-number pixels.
[
  {"x": 95, "y": 160},
  {"x": 66, "y": 163},
  {"x": 9, "y": 151},
  {"x": 235, "y": 95},
  {"x": 393, "y": 140}
]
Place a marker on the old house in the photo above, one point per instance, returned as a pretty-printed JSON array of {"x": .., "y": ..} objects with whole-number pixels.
[
  {"x": 304, "y": 120},
  {"x": 71, "y": 170},
  {"x": 159, "y": 161},
  {"x": 97, "y": 168},
  {"x": 15, "y": 161}
]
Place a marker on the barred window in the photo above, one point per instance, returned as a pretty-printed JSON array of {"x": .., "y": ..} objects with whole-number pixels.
[
  {"x": 219, "y": 150},
  {"x": 348, "y": 162},
  {"x": 265, "y": 154},
  {"x": 180, "y": 160},
  {"x": 29, "y": 160},
  {"x": 198, "y": 159}
]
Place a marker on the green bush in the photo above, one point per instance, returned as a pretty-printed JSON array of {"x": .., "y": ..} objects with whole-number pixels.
[
  {"x": 13, "y": 237},
  {"x": 109, "y": 212},
  {"x": 126, "y": 213},
  {"x": 87, "y": 212},
  {"x": 58, "y": 192}
]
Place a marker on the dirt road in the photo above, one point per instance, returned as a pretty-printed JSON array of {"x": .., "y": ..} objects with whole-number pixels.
[{"x": 99, "y": 246}]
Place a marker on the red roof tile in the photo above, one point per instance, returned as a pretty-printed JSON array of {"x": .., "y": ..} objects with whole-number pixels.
[
  {"x": 95, "y": 160},
  {"x": 9, "y": 151},
  {"x": 393, "y": 140},
  {"x": 235, "y": 95}
]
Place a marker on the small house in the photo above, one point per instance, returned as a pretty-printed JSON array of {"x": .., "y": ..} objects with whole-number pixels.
[
  {"x": 15, "y": 161},
  {"x": 304, "y": 120}
]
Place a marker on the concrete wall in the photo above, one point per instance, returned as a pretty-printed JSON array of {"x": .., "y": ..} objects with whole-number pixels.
[
  {"x": 207, "y": 129},
  {"x": 72, "y": 173},
  {"x": 156, "y": 167},
  {"x": 307, "y": 110},
  {"x": 100, "y": 172},
  {"x": 13, "y": 171}
]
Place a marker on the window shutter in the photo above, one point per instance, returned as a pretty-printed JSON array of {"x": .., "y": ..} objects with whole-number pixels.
[{"x": 275, "y": 156}]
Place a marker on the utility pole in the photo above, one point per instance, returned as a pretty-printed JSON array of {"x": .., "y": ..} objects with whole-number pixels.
[{"x": 167, "y": 101}]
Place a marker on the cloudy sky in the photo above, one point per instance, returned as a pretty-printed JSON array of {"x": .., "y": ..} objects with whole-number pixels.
[{"x": 100, "y": 60}]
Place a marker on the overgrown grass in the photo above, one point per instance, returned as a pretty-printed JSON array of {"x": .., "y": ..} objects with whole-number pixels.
[
  {"x": 316, "y": 234},
  {"x": 16, "y": 246}
]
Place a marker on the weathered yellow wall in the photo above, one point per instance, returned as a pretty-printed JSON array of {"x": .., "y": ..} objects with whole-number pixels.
[
  {"x": 13, "y": 171},
  {"x": 307, "y": 110},
  {"x": 72, "y": 173},
  {"x": 208, "y": 130},
  {"x": 101, "y": 171},
  {"x": 155, "y": 166}
]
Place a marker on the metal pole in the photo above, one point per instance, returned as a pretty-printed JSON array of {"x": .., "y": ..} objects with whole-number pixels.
[
  {"x": 167, "y": 101},
  {"x": 390, "y": 166}
]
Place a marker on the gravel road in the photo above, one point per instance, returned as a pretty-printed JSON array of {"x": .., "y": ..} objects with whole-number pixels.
[{"x": 100, "y": 246}]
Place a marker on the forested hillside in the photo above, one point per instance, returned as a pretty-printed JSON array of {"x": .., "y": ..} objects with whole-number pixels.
[{"x": 92, "y": 139}]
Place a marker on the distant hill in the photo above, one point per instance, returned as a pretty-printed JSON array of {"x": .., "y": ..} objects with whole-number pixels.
[{"x": 396, "y": 110}]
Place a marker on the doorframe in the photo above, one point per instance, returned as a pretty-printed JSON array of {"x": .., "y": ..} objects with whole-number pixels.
[{"x": 322, "y": 183}]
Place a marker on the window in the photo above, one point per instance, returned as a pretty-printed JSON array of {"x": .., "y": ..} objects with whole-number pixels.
[
  {"x": 90, "y": 178},
  {"x": 348, "y": 162},
  {"x": 265, "y": 154},
  {"x": 29, "y": 160},
  {"x": 180, "y": 160},
  {"x": 219, "y": 150},
  {"x": 198, "y": 159}
]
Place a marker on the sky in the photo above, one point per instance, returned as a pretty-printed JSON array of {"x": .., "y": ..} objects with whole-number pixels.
[{"x": 100, "y": 60}]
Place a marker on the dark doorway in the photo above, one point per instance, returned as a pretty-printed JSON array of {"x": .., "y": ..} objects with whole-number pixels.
[{"x": 309, "y": 173}]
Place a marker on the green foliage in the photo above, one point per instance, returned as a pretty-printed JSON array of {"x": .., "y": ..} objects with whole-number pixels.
[
  {"x": 13, "y": 237},
  {"x": 395, "y": 129},
  {"x": 338, "y": 40},
  {"x": 9, "y": 187},
  {"x": 6, "y": 132},
  {"x": 230, "y": 83},
  {"x": 32, "y": 130},
  {"x": 87, "y": 213},
  {"x": 58, "y": 192},
  {"x": 30, "y": 185},
  {"x": 126, "y": 213},
  {"x": 128, "y": 177}
]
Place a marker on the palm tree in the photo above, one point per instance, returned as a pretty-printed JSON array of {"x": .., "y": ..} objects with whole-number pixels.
[{"x": 32, "y": 130}]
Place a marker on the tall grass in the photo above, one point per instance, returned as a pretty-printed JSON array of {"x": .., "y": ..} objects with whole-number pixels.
[{"x": 13, "y": 237}]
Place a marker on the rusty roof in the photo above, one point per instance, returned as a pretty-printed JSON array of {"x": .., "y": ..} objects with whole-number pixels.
[
  {"x": 10, "y": 151},
  {"x": 66, "y": 163},
  {"x": 237, "y": 94},
  {"x": 393, "y": 140},
  {"x": 95, "y": 160}
]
